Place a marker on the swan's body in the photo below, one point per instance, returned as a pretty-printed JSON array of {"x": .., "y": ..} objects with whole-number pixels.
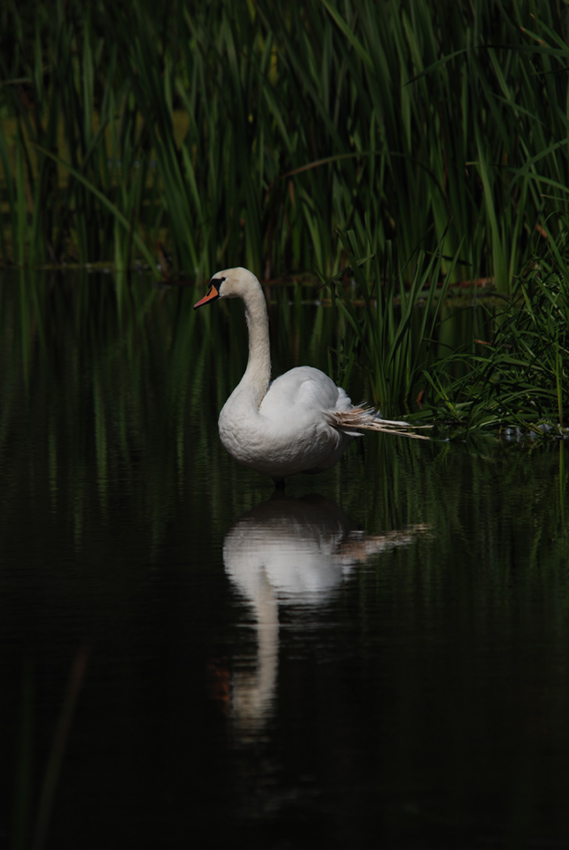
[
  {"x": 290, "y": 430},
  {"x": 301, "y": 422}
]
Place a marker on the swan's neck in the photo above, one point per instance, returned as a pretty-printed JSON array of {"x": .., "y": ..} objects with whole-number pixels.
[{"x": 255, "y": 381}]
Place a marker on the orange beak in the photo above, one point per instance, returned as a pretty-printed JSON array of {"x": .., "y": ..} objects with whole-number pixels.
[{"x": 211, "y": 295}]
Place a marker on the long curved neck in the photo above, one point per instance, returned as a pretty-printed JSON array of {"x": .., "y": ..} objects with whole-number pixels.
[{"x": 258, "y": 373}]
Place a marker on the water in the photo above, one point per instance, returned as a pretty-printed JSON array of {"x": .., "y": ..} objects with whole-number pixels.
[{"x": 188, "y": 660}]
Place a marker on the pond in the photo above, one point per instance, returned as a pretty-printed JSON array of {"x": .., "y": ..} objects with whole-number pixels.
[{"x": 188, "y": 659}]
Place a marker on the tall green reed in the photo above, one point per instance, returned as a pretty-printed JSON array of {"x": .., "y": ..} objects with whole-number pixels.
[
  {"x": 519, "y": 377},
  {"x": 392, "y": 335},
  {"x": 400, "y": 123},
  {"x": 83, "y": 169}
]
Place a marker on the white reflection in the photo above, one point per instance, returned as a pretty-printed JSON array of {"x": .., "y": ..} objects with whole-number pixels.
[{"x": 292, "y": 552}]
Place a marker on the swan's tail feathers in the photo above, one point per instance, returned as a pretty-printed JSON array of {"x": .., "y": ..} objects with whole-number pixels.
[{"x": 359, "y": 419}]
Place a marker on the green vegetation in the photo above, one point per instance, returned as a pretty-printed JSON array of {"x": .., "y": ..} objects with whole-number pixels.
[
  {"x": 418, "y": 145},
  {"x": 250, "y": 132},
  {"x": 391, "y": 336},
  {"x": 519, "y": 378}
]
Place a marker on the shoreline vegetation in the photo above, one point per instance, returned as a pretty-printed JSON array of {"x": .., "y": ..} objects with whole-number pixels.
[{"x": 406, "y": 156}]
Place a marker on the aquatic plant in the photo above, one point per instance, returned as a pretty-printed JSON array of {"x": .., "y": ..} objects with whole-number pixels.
[
  {"x": 390, "y": 324},
  {"x": 249, "y": 133},
  {"x": 519, "y": 378}
]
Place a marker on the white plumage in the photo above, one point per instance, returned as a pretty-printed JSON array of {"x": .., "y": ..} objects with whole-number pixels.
[{"x": 301, "y": 422}]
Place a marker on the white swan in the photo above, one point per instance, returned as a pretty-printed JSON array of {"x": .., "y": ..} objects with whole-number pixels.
[{"x": 301, "y": 422}]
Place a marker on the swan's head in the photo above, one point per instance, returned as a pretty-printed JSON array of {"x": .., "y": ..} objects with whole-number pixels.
[{"x": 230, "y": 283}]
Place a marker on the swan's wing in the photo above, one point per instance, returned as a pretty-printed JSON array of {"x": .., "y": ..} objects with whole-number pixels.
[{"x": 303, "y": 390}]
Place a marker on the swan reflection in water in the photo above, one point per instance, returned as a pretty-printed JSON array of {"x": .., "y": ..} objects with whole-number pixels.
[{"x": 290, "y": 552}]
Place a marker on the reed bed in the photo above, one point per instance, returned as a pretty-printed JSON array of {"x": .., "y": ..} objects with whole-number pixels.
[
  {"x": 392, "y": 149},
  {"x": 251, "y": 133},
  {"x": 517, "y": 380}
]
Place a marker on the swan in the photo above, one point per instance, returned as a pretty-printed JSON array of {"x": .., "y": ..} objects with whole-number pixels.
[{"x": 301, "y": 421}]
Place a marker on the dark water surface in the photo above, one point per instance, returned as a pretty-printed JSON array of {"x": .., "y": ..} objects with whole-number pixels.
[{"x": 188, "y": 661}]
